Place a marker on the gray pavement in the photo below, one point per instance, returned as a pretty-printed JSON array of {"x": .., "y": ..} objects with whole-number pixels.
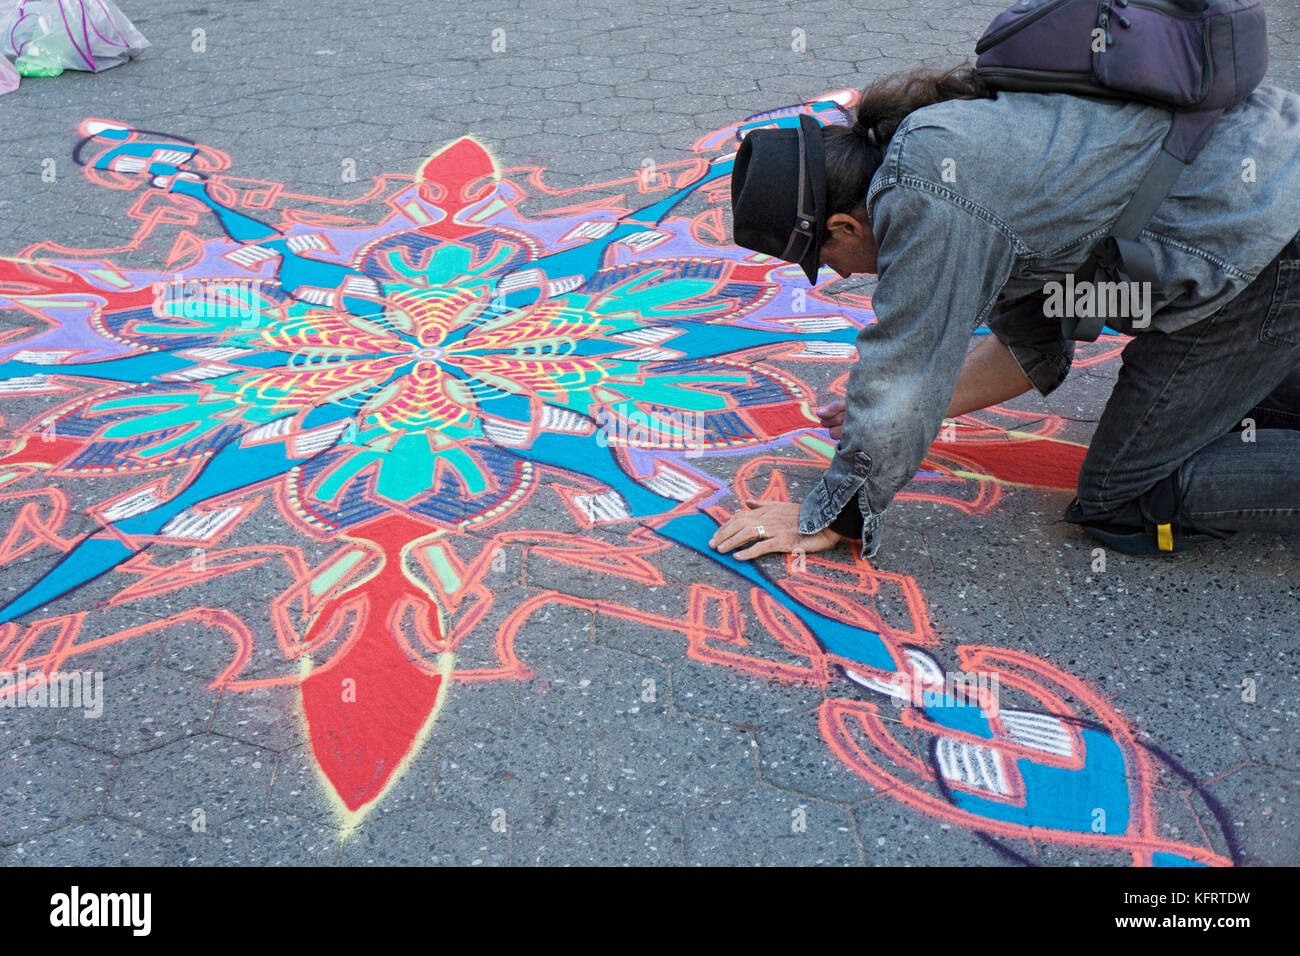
[{"x": 619, "y": 739}]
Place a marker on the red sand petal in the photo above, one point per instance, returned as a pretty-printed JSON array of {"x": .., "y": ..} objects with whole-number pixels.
[
  {"x": 359, "y": 744},
  {"x": 1041, "y": 462}
]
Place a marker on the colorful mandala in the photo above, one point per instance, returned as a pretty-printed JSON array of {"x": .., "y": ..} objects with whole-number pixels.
[{"x": 406, "y": 392}]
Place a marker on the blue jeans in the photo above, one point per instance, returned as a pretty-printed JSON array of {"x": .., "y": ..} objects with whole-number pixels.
[{"x": 1201, "y": 434}]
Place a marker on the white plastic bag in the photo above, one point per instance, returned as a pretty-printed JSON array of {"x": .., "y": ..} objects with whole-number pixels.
[{"x": 48, "y": 36}]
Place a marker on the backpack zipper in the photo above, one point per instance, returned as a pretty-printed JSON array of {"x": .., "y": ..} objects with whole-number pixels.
[
  {"x": 1103, "y": 18},
  {"x": 1166, "y": 7}
]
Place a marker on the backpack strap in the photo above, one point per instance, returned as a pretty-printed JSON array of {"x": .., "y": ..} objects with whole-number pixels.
[{"x": 1119, "y": 253}]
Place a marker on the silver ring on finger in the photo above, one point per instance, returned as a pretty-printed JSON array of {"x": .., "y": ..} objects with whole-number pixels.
[{"x": 762, "y": 533}]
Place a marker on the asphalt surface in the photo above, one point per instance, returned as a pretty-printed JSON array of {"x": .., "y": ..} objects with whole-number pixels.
[{"x": 577, "y": 760}]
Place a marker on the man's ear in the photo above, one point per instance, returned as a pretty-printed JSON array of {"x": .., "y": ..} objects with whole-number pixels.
[{"x": 844, "y": 226}]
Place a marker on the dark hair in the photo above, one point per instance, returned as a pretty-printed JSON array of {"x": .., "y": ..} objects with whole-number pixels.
[{"x": 854, "y": 153}]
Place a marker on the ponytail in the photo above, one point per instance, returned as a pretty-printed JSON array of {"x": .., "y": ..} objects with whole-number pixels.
[{"x": 854, "y": 153}]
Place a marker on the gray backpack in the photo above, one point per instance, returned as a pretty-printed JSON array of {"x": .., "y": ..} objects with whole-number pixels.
[{"x": 1194, "y": 57}]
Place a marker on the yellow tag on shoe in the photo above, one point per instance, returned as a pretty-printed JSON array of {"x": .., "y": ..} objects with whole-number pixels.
[{"x": 1164, "y": 537}]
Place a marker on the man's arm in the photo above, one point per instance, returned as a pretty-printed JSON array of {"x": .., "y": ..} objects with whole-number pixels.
[
  {"x": 989, "y": 376},
  {"x": 941, "y": 267}
]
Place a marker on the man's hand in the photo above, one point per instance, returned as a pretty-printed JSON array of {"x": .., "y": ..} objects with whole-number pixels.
[
  {"x": 770, "y": 527},
  {"x": 832, "y": 417}
]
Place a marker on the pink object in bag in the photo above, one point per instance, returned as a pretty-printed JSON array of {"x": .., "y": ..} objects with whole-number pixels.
[{"x": 8, "y": 77}]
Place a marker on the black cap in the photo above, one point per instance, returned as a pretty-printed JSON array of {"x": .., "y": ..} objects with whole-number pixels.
[{"x": 778, "y": 194}]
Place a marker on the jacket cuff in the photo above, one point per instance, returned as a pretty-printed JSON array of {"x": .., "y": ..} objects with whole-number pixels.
[
  {"x": 1045, "y": 369},
  {"x": 848, "y": 523},
  {"x": 839, "y": 502},
  {"x": 855, "y": 524}
]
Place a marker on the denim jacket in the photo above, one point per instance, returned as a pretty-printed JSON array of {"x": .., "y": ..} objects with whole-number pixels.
[{"x": 979, "y": 203}]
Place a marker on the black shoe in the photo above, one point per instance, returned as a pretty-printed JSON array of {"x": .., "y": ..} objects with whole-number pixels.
[
  {"x": 1149, "y": 525},
  {"x": 1142, "y": 541}
]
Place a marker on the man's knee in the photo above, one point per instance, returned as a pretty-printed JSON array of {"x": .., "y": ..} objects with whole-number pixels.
[{"x": 1105, "y": 489}]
